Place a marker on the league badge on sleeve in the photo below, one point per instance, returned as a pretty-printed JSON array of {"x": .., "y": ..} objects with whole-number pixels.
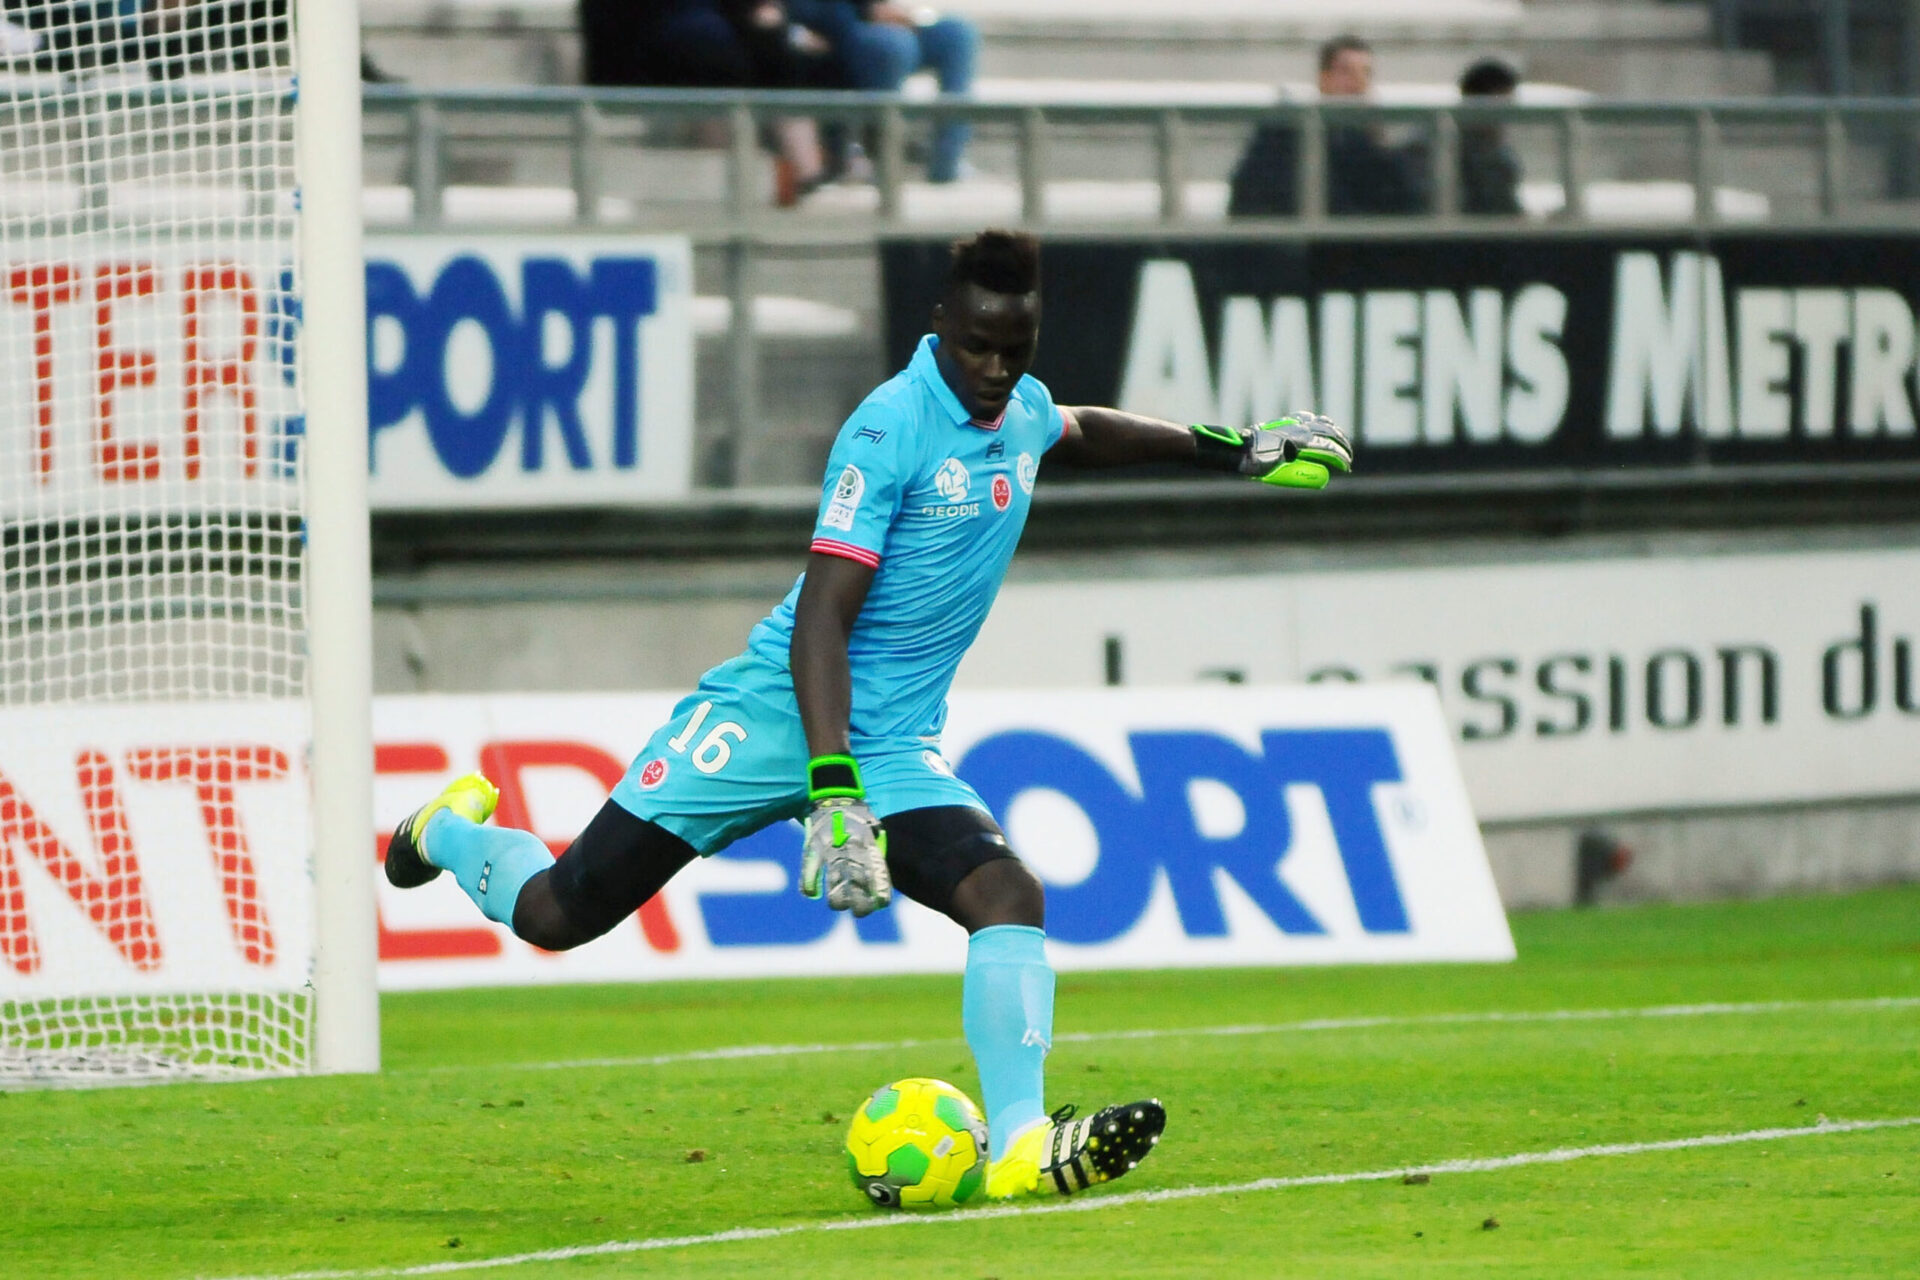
[{"x": 847, "y": 492}]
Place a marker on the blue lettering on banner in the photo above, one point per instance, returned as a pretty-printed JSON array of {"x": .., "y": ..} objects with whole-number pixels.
[
  {"x": 286, "y": 312},
  {"x": 524, "y": 386},
  {"x": 1140, "y": 835}
]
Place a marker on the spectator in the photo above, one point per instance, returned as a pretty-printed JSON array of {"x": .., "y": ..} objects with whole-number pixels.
[
  {"x": 710, "y": 44},
  {"x": 877, "y": 44},
  {"x": 1364, "y": 173},
  {"x": 1489, "y": 169}
]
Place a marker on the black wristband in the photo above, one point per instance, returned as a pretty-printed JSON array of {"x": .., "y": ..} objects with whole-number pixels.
[
  {"x": 829, "y": 777},
  {"x": 1218, "y": 448}
]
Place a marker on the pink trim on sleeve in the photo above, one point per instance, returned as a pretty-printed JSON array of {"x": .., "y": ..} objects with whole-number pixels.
[{"x": 847, "y": 551}]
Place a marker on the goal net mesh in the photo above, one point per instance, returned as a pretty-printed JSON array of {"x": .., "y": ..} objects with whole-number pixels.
[{"x": 156, "y": 904}]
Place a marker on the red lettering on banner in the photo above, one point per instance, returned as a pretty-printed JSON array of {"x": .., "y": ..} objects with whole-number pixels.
[
  {"x": 424, "y": 944},
  {"x": 232, "y": 375},
  {"x": 503, "y": 761},
  {"x": 114, "y": 899},
  {"x": 214, "y": 773},
  {"x": 42, "y": 288},
  {"x": 119, "y": 368}
]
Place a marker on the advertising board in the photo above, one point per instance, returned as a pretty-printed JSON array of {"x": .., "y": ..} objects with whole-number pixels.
[
  {"x": 503, "y": 371},
  {"x": 1492, "y": 354},
  {"x": 512, "y": 371},
  {"x": 156, "y": 849},
  {"x": 146, "y": 383},
  {"x": 1199, "y": 827},
  {"x": 162, "y": 849},
  {"x": 1572, "y": 687}
]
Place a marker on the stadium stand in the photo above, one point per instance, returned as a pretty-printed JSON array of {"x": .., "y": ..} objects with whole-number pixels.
[{"x": 1610, "y": 46}]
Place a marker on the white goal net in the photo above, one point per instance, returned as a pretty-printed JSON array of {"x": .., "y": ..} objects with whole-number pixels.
[{"x": 156, "y": 882}]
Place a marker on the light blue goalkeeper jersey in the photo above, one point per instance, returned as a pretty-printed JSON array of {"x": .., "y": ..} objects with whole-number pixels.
[{"x": 934, "y": 501}]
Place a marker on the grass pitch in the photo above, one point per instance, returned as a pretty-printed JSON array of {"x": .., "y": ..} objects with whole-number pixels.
[{"x": 479, "y": 1145}]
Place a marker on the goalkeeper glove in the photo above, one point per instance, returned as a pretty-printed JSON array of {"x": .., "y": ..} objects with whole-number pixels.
[
  {"x": 1297, "y": 452},
  {"x": 846, "y": 845}
]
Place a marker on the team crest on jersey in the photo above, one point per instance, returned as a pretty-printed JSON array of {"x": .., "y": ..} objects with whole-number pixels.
[
  {"x": 952, "y": 480},
  {"x": 1027, "y": 470},
  {"x": 847, "y": 491},
  {"x": 652, "y": 774},
  {"x": 1002, "y": 493}
]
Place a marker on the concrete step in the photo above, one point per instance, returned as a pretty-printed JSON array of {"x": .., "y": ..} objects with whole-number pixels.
[
  {"x": 1650, "y": 72},
  {"x": 1618, "y": 23},
  {"x": 1298, "y": 21}
]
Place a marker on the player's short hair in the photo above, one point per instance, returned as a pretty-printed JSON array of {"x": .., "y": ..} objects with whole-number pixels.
[
  {"x": 997, "y": 261},
  {"x": 1333, "y": 48},
  {"x": 1488, "y": 77}
]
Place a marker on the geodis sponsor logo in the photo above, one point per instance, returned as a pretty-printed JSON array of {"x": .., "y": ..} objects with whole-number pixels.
[{"x": 952, "y": 481}]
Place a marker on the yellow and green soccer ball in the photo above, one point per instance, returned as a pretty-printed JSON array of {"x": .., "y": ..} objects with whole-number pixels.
[{"x": 918, "y": 1144}]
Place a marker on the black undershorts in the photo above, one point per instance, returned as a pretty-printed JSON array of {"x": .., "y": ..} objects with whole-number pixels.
[{"x": 620, "y": 861}]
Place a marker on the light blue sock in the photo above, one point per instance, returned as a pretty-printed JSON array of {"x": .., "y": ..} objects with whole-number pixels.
[
  {"x": 1006, "y": 1008},
  {"x": 491, "y": 863}
]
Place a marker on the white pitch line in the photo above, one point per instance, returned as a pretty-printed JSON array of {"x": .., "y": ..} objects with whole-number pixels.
[
  {"x": 1100, "y": 1203},
  {"x": 731, "y": 1052}
]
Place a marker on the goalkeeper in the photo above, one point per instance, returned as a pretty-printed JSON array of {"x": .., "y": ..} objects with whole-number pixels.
[{"x": 833, "y": 714}]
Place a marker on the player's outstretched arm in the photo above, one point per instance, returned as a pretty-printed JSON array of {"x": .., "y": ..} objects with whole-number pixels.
[
  {"x": 1298, "y": 452},
  {"x": 846, "y": 848}
]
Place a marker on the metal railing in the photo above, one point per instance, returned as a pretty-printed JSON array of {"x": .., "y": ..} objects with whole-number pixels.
[{"x": 589, "y": 128}]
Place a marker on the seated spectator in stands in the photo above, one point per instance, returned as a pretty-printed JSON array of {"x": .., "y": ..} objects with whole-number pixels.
[
  {"x": 1364, "y": 173},
  {"x": 710, "y": 44},
  {"x": 877, "y": 44},
  {"x": 1489, "y": 169}
]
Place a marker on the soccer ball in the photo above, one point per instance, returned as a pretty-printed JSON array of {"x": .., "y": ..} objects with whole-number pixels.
[{"x": 918, "y": 1144}]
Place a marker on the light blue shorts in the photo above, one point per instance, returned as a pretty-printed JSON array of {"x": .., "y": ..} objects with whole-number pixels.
[{"x": 733, "y": 759}]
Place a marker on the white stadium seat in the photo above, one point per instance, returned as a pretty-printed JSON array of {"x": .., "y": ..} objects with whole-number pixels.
[
  {"x": 778, "y": 316},
  {"x": 494, "y": 206}
]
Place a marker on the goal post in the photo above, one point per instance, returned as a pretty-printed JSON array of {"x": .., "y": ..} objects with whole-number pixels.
[
  {"x": 339, "y": 556},
  {"x": 185, "y": 758}
]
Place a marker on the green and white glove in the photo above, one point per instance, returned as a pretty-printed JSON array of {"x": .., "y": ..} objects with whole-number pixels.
[
  {"x": 846, "y": 846},
  {"x": 1296, "y": 452}
]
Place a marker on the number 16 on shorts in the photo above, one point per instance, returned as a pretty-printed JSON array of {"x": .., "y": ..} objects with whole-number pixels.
[{"x": 714, "y": 749}]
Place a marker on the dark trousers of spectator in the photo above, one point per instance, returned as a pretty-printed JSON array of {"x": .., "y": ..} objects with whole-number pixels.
[
  {"x": 878, "y": 57},
  {"x": 684, "y": 44}
]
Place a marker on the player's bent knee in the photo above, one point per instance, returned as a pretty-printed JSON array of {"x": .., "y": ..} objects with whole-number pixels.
[
  {"x": 538, "y": 918},
  {"x": 1000, "y": 892},
  {"x": 616, "y": 864}
]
